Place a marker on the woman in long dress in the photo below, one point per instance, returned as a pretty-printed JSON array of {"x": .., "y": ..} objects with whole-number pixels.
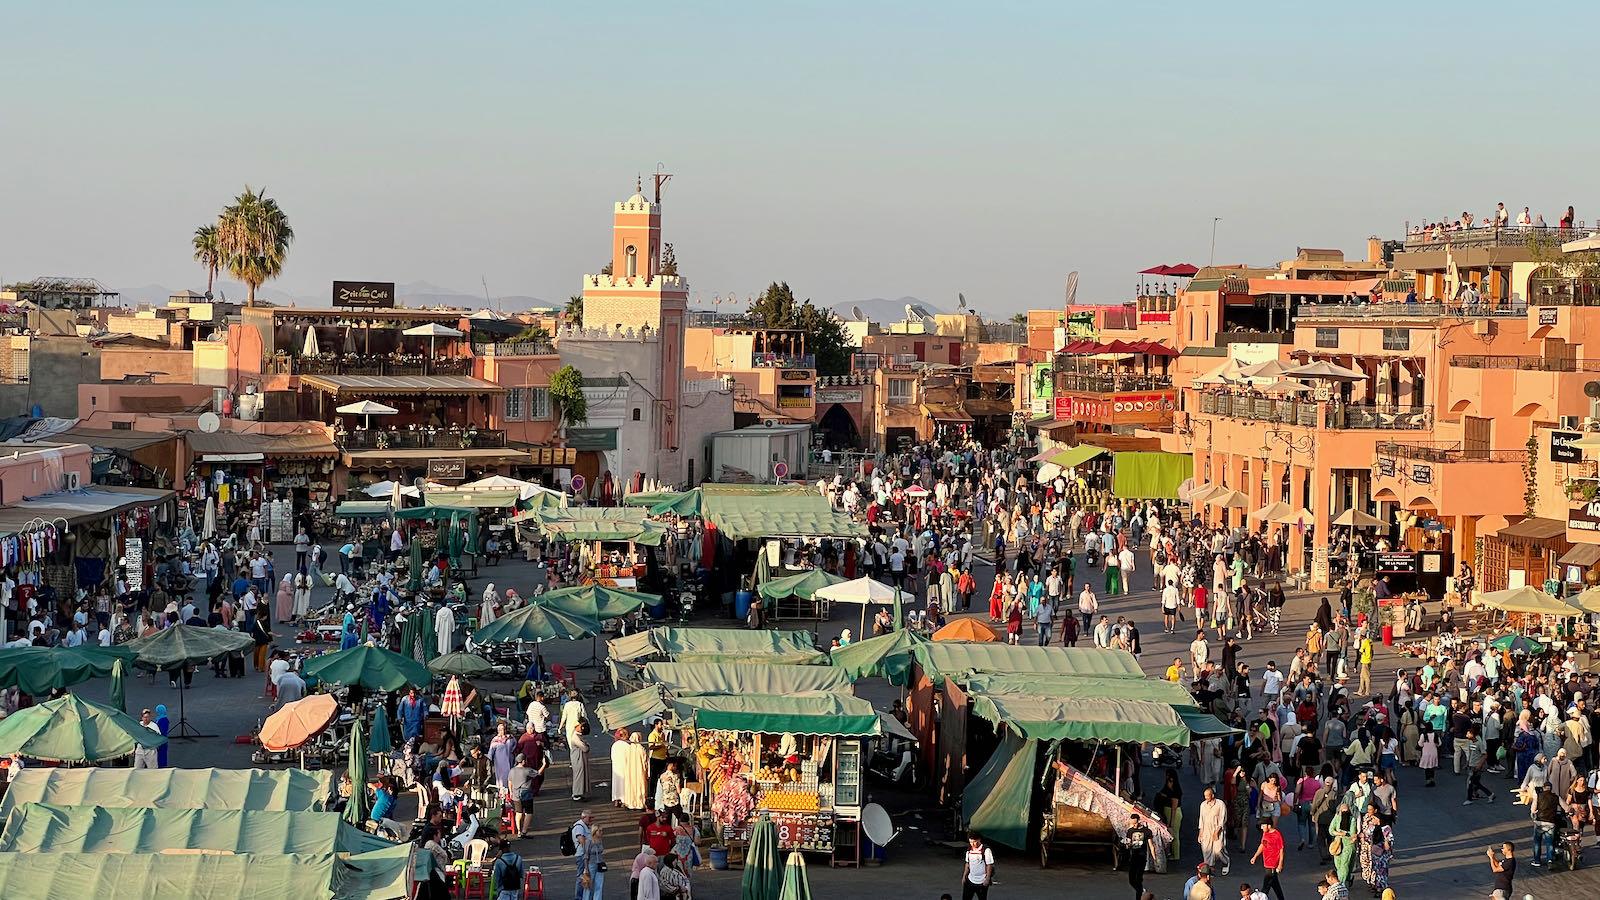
[
  {"x": 637, "y": 771},
  {"x": 1344, "y": 831},
  {"x": 491, "y": 600},
  {"x": 501, "y": 749},
  {"x": 285, "y": 599}
]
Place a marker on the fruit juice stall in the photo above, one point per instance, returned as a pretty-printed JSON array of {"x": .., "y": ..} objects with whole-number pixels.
[{"x": 797, "y": 757}]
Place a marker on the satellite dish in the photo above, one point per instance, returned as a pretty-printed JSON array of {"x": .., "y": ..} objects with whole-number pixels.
[
  {"x": 876, "y": 823},
  {"x": 420, "y": 483},
  {"x": 856, "y": 311},
  {"x": 961, "y": 300},
  {"x": 1072, "y": 287},
  {"x": 209, "y": 423},
  {"x": 1592, "y": 390}
]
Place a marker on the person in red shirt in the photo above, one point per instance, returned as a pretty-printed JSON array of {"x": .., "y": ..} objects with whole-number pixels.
[
  {"x": 658, "y": 834},
  {"x": 1270, "y": 852}
]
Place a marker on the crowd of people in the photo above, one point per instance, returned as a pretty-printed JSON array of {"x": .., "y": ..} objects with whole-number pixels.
[{"x": 1499, "y": 217}]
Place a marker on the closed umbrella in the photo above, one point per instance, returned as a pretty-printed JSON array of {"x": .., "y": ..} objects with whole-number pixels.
[
  {"x": 451, "y": 704},
  {"x": 373, "y": 668},
  {"x": 537, "y": 622},
  {"x": 380, "y": 741},
  {"x": 796, "y": 885},
  {"x": 310, "y": 348},
  {"x": 761, "y": 880},
  {"x": 119, "y": 687},
  {"x": 208, "y": 528},
  {"x": 360, "y": 805},
  {"x": 72, "y": 729},
  {"x": 414, "y": 574},
  {"x": 467, "y": 665}
]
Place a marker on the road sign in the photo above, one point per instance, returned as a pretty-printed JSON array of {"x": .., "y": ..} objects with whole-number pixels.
[
  {"x": 780, "y": 470},
  {"x": 578, "y": 483}
]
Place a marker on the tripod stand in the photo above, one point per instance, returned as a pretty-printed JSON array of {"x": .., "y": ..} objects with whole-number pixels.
[{"x": 183, "y": 730}]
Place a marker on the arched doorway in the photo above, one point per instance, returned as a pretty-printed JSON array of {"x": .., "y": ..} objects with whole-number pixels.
[{"x": 839, "y": 430}]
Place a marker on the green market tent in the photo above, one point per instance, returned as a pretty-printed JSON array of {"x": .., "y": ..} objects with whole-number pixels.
[
  {"x": 364, "y": 509},
  {"x": 1083, "y": 719},
  {"x": 594, "y": 601},
  {"x": 1076, "y": 456},
  {"x": 39, "y": 670},
  {"x": 632, "y": 646},
  {"x": 594, "y": 523},
  {"x": 955, "y": 658},
  {"x": 814, "y": 713},
  {"x": 181, "y": 645},
  {"x": 633, "y": 708},
  {"x": 537, "y": 622},
  {"x": 742, "y": 511},
  {"x": 687, "y": 503},
  {"x": 1200, "y": 723},
  {"x": 744, "y": 678},
  {"x": 380, "y": 875},
  {"x": 502, "y": 499},
  {"x": 717, "y": 645},
  {"x": 997, "y": 801},
  {"x": 71, "y": 729},
  {"x": 648, "y": 499},
  {"x": 888, "y": 656},
  {"x": 803, "y": 585},
  {"x": 466, "y": 665},
  {"x": 374, "y": 668},
  {"x": 263, "y": 789},
  {"x": 47, "y": 828},
  {"x": 1149, "y": 474}
]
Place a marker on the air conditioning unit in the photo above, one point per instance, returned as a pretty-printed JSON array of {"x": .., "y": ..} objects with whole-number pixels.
[
  {"x": 1569, "y": 422},
  {"x": 1590, "y": 423},
  {"x": 770, "y": 423},
  {"x": 70, "y": 481}
]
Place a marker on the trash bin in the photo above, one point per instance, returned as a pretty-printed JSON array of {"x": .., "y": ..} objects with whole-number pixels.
[
  {"x": 1388, "y": 635},
  {"x": 741, "y": 603}
]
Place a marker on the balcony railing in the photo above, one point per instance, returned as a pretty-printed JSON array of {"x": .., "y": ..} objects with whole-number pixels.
[
  {"x": 1525, "y": 363},
  {"x": 519, "y": 348},
  {"x": 1359, "y": 417},
  {"x": 421, "y": 439},
  {"x": 759, "y": 360},
  {"x": 1558, "y": 291},
  {"x": 1509, "y": 236},
  {"x": 368, "y": 365},
  {"x": 1448, "y": 452},
  {"x": 1485, "y": 310},
  {"x": 1106, "y": 384}
]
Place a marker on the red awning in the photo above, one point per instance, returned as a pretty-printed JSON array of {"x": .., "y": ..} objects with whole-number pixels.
[
  {"x": 1181, "y": 270},
  {"x": 1121, "y": 347},
  {"x": 1156, "y": 348}
]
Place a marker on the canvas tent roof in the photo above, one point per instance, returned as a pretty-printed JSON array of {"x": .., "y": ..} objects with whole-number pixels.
[
  {"x": 292, "y": 789},
  {"x": 766, "y": 510},
  {"x": 1083, "y": 719},
  {"x": 718, "y": 645},
  {"x": 632, "y": 708},
  {"x": 745, "y": 678},
  {"x": 48, "y": 828},
  {"x": 1199, "y": 722},
  {"x": 815, "y": 713},
  {"x": 381, "y": 875},
  {"x": 955, "y": 658}
]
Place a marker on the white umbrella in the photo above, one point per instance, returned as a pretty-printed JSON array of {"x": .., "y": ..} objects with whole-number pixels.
[
  {"x": 1326, "y": 370},
  {"x": 1048, "y": 471},
  {"x": 862, "y": 591},
  {"x": 208, "y": 525},
  {"x": 368, "y": 409},
  {"x": 1355, "y": 518},
  {"x": 1285, "y": 386},
  {"x": 1272, "y": 368},
  {"x": 1271, "y": 511},
  {"x": 311, "y": 348},
  {"x": 1228, "y": 500},
  {"x": 431, "y": 331},
  {"x": 388, "y": 488}
]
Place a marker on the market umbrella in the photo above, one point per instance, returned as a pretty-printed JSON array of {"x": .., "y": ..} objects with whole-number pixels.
[
  {"x": 380, "y": 742},
  {"x": 177, "y": 646},
  {"x": 366, "y": 409},
  {"x": 1355, "y": 518},
  {"x": 373, "y": 668},
  {"x": 537, "y": 622},
  {"x": 467, "y": 665},
  {"x": 295, "y": 723},
  {"x": 451, "y": 704},
  {"x": 1297, "y": 516},
  {"x": 37, "y": 671},
  {"x": 807, "y": 584},
  {"x": 1272, "y": 368},
  {"x": 119, "y": 687},
  {"x": 595, "y": 601},
  {"x": 761, "y": 880},
  {"x": 310, "y": 347},
  {"x": 360, "y": 805},
  {"x": 966, "y": 629},
  {"x": 208, "y": 527},
  {"x": 1588, "y": 600},
  {"x": 796, "y": 886},
  {"x": 862, "y": 591},
  {"x": 431, "y": 331},
  {"x": 72, "y": 729},
  {"x": 1327, "y": 371},
  {"x": 1519, "y": 645},
  {"x": 1204, "y": 492},
  {"x": 1528, "y": 599},
  {"x": 1228, "y": 500},
  {"x": 1271, "y": 511}
]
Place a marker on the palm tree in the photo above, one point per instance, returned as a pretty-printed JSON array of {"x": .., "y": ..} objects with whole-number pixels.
[
  {"x": 254, "y": 235},
  {"x": 573, "y": 311},
  {"x": 207, "y": 253}
]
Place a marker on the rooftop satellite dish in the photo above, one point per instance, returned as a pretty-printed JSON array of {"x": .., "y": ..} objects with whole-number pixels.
[
  {"x": 856, "y": 311},
  {"x": 961, "y": 300},
  {"x": 876, "y": 823},
  {"x": 420, "y": 483},
  {"x": 1072, "y": 287},
  {"x": 209, "y": 423}
]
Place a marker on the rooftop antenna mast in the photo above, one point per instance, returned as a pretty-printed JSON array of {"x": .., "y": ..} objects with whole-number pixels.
[
  {"x": 485, "y": 280},
  {"x": 661, "y": 178}
]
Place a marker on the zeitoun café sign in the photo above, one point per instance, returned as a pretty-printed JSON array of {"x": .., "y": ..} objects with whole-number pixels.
[{"x": 370, "y": 294}]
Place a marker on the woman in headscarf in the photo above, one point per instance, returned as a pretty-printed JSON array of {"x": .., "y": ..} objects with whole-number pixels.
[
  {"x": 348, "y": 636},
  {"x": 165, "y": 725},
  {"x": 285, "y": 609},
  {"x": 1343, "y": 832},
  {"x": 501, "y": 749},
  {"x": 513, "y": 601},
  {"x": 578, "y": 756},
  {"x": 637, "y": 772},
  {"x": 302, "y": 594},
  {"x": 1324, "y": 619},
  {"x": 488, "y": 611}
]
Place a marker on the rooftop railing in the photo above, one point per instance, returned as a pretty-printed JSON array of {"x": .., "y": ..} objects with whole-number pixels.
[
  {"x": 1525, "y": 363},
  {"x": 421, "y": 439},
  {"x": 368, "y": 365},
  {"x": 1337, "y": 416},
  {"x": 1447, "y": 452},
  {"x": 1508, "y": 236},
  {"x": 1508, "y": 309},
  {"x": 1106, "y": 384},
  {"x": 760, "y": 360}
]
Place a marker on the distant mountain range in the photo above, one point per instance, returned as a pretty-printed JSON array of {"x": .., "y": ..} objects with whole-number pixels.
[
  {"x": 415, "y": 294},
  {"x": 881, "y": 310}
]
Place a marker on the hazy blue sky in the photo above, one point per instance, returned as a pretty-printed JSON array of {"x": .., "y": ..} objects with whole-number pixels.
[{"x": 855, "y": 149}]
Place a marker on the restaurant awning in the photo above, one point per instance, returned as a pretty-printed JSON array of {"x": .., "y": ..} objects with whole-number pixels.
[
  {"x": 169, "y": 788},
  {"x": 1584, "y": 555},
  {"x": 88, "y": 504},
  {"x": 400, "y": 385},
  {"x": 1076, "y": 456},
  {"x": 1535, "y": 531},
  {"x": 505, "y": 499},
  {"x": 1149, "y": 474},
  {"x": 233, "y": 444}
]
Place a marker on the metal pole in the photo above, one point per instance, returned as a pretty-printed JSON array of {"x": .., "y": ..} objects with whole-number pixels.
[{"x": 1214, "y": 221}]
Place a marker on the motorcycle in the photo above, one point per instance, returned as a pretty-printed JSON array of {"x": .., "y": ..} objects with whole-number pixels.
[{"x": 897, "y": 766}]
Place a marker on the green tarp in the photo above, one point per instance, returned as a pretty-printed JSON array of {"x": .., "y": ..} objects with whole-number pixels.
[
  {"x": 684, "y": 504},
  {"x": 887, "y": 656},
  {"x": 1202, "y": 724},
  {"x": 506, "y": 499},
  {"x": 292, "y": 789},
  {"x": 364, "y": 509},
  {"x": 185, "y": 645},
  {"x": 997, "y": 801},
  {"x": 1083, "y": 719},
  {"x": 373, "y": 668},
  {"x": 48, "y": 828},
  {"x": 711, "y": 644},
  {"x": 940, "y": 658},
  {"x": 382, "y": 875},
  {"x": 594, "y": 523},
  {"x": 631, "y": 646},
  {"x": 631, "y": 709},
  {"x": 648, "y": 499},
  {"x": 436, "y": 512},
  {"x": 1157, "y": 689},
  {"x": 37, "y": 671},
  {"x": 1149, "y": 474},
  {"x": 1076, "y": 456},
  {"x": 803, "y": 585},
  {"x": 763, "y": 657},
  {"x": 742, "y": 511},
  {"x": 819, "y": 713},
  {"x": 596, "y": 601},
  {"x": 745, "y": 678}
]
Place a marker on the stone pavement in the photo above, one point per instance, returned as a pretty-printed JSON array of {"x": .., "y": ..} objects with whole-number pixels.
[{"x": 1440, "y": 843}]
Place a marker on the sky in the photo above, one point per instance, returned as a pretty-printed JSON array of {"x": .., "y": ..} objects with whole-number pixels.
[{"x": 855, "y": 150}]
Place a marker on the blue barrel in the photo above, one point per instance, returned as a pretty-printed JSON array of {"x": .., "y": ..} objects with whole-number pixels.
[
  {"x": 658, "y": 611},
  {"x": 741, "y": 603}
]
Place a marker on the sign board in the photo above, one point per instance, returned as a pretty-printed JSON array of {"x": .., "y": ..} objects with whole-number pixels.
[
  {"x": 448, "y": 469},
  {"x": 1547, "y": 315},
  {"x": 1395, "y": 562},
  {"x": 1319, "y": 564},
  {"x": 796, "y": 374},
  {"x": 1421, "y": 474},
  {"x": 1044, "y": 381},
  {"x": 1130, "y": 408},
  {"x": 1561, "y": 449},
  {"x": 839, "y": 395},
  {"x": 1584, "y": 517},
  {"x": 1385, "y": 465},
  {"x": 133, "y": 553},
  {"x": 1246, "y": 354},
  {"x": 578, "y": 484},
  {"x": 1155, "y": 318},
  {"x": 1039, "y": 407},
  {"x": 780, "y": 470},
  {"x": 364, "y": 294}
]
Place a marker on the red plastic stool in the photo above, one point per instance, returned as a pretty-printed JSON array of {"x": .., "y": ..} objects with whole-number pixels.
[
  {"x": 533, "y": 885},
  {"x": 475, "y": 884}
]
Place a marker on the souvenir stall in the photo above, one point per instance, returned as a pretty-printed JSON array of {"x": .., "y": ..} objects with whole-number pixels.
[
  {"x": 798, "y": 758},
  {"x": 252, "y": 470},
  {"x": 61, "y": 542},
  {"x": 451, "y": 531}
]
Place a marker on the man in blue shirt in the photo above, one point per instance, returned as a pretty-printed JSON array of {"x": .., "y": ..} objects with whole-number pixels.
[{"x": 411, "y": 712}]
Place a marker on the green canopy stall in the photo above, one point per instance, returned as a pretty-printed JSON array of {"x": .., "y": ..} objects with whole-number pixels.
[
  {"x": 815, "y": 713},
  {"x": 373, "y": 668},
  {"x": 48, "y": 828},
  {"x": 379, "y": 875},
  {"x": 744, "y": 678},
  {"x": 39, "y": 670},
  {"x": 249, "y": 789},
  {"x": 886, "y": 656}
]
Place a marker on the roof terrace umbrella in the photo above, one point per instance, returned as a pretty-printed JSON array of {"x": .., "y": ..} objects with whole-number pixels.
[
  {"x": 366, "y": 409},
  {"x": 1298, "y": 516},
  {"x": 432, "y": 331},
  {"x": 1270, "y": 511},
  {"x": 1229, "y": 500},
  {"x": 72, "y": 729},
  {"x": 1325, "y": 370},
  {"x": 1272, "y": 368}
]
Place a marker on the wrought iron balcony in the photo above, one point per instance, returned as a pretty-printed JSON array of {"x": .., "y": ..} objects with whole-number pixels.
[{"x": 420, "y": 439}]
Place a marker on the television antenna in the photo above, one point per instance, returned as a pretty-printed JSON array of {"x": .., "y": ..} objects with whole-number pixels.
[{"x": 660, "y": 178}]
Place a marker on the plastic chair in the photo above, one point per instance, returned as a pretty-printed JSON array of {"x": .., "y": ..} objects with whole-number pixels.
[
  {"x": 533, "y": 884},
  {"x": 564, "y": 676}
]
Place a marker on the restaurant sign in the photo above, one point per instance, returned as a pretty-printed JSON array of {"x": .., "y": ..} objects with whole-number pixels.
[
  {"x": 1422, "y": 474},
  {"x": 1584, "y": 517},
  {"x": 839, "y": 395},
  {"x": 1134, "y": 408},
  {"x": 365, "y": 294},
  {"x": 1561, "y": 449},
  {"x": 1154, "y": 318},
  {"x": 1395, "y": 562},
  {"x": 1547, "y": 315},
  {"x": 447, "y": 469}
]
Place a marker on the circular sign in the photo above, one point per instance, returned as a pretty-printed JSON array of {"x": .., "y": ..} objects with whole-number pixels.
[
  {"x": 578, "y": 484},
  {"x": 780, "y": 470}
]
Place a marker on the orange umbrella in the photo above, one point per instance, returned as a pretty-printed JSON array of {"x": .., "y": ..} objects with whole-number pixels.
[
  {"x": 968, "y": 629},
  {"x": 298, "y": 722}
]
